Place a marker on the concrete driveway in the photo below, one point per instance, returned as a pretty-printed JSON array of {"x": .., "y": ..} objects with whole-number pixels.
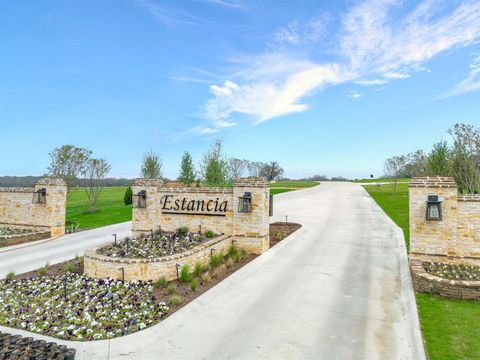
[
  {"x": 339, "y": 288},
  {"x": 26, "y": 257}
]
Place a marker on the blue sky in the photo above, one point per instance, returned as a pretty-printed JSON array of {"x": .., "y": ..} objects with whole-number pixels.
[{"x": 323, "y": 87}]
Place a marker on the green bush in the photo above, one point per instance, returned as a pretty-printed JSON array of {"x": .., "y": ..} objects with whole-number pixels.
[
  {"x": 69, "y": 267},
  {"x": 43, "y": 270},
  {"x": 182, "y": 230},
  {"x": 216, "y": 260},
  {"x": 198, "y": 269},
  {"x": 161, "y": 282},
  {"x": 193, "y": 284},
  {"x": 209, "y": 234},
  {"x": 10, "y": 276},
  {"x": 127, "y": 198},
  {"x": 185, "y": 275},
  {"x": 232, "y": 251},
  {"x": 174, "y": 300},
  {"x": 171, "y": 288}
]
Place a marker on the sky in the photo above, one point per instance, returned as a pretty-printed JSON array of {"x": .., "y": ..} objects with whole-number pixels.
[{"x": 323, "y": 87}]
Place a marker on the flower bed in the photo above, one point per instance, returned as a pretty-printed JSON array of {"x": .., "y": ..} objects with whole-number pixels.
[
  {"x": 453, "y": 271},
  {"x": 153, "y": 246},
  {"x": 93, "y": 308}
]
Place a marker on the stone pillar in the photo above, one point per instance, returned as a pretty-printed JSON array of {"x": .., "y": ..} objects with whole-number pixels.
[
  {"x": 56, "y": 201},
  {"x": 145, "y": 219},
  {"x": 251, "y": 229},
  {"x": 430, "y": 239}
]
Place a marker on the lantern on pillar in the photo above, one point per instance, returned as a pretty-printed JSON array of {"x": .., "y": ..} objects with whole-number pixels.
[
  {"x": 245, "y": 202},
  {"x": 40, "y": 196},
  {"x": 140, "y": 199},
  {"x": 434, "y": 208}
]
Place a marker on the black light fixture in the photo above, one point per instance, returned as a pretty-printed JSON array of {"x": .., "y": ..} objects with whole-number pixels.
[
  {"x": 140, "y": 199},
  {"x": 434, "y": 208},
  {"x": 40, "y": 196},
  {"x": 245, "y": 203}
]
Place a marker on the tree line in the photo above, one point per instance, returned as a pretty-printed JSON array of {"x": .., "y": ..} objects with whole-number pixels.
[{"x": 460, "y": 159}]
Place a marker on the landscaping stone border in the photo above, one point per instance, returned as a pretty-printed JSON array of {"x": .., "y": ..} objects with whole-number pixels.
[
  {"x": 453, "y": 289},
  {"x": 101, "y": 266}
]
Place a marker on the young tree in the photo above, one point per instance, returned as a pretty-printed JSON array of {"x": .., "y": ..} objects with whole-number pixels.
[
  {"x": 94, "y": 172},
  {"x": 67, "y": 163},
  {"x": 151, "y": 166},
  {"x": 271, "y": 171},
  {"x": 415, "y": 164},
  {"x": 214, "y": 166},
  {"x": 438, "y": 161},
  {"x": 127, "y": 197},
  {"x": 393, "y": 167},
  {"x": 466, "y": 157},
  {"x": 236, "y": 168},
  {"x": 187, "y": 170}
]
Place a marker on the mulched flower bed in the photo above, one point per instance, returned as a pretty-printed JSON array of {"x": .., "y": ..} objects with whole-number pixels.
[
  {"x": 93, "y": 308},
  {"x": 280, "y": 230},
  {"x": 153, "y": 245},
  {"x": 453, "y": 271}
]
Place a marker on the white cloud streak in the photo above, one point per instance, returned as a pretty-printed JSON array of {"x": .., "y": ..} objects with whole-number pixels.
[{"x": 470, "y": 83}]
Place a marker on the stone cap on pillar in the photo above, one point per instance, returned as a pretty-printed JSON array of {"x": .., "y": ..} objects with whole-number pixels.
[
  {"x": 147, "y": 182},
  {"x": 251, "y": 182},
  {"x": 50, "y": 182},
  {"x": 433, "y": 182}
]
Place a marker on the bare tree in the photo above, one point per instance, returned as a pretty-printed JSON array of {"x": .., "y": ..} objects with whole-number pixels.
[
  {"x": 236, "y": 168},
  {"x": 393, "y": 167},
  {"x": 67, "y": 163},
  {"x": 151, "y": 166},
  {"x": 255, "y": 168},
  {"x": 94, "y": 173},
  {"x": 466, "y": 157},
  {"x": 272, "y": 171}
]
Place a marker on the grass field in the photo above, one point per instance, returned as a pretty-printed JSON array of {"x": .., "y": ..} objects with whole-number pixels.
[
  {"x": 111, "y": 208},
  {"x": 450, "y": 327},
  {"x": 380, "y": 180},
  {"x": 293, "y": 184}
]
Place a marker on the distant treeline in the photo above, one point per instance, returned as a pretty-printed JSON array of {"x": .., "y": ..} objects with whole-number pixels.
[
  {"x": 320, "y": 178},
  {"x": 29, "y": 181}
]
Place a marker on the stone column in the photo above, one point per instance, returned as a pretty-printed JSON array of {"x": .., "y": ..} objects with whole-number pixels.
[
  {"x": 251, "y": 229},
  {"x": 56, "y": 201},
  {"x": 145, "y": 219},
  {"x": 430, "y": 239}
]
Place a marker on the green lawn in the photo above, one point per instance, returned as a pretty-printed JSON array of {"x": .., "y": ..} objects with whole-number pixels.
[
  {"x": 450, "y": 327},
  {"x": 111, "y": 208},
  {"x": 278, "y": 191},
  {"x": 380, "y": 180},
  {"x": 293, "y": 184}
]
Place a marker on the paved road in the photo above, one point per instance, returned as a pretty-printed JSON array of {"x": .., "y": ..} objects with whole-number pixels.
[
  {"x": 23, "y": 258},
  {"x": 338, "y": 288}
]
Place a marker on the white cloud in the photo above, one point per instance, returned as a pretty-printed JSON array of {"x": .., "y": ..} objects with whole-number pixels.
[
  {"x": 375, "y": 46},
  {"x": 470, "y": 83},
  {"x": 354, "y": 95}
]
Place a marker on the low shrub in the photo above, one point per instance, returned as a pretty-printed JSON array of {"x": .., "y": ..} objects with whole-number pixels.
[
  {"x": 209, "y": 234},
  {"x": 229, "y": 262},
  {"x": 280, "y": 235},
  {"x": 10, "y": 276},
  {"x": 232, "y": 251},
  {"x": 161, "y": 282},
  {"x": 174, "y": 300},
  {"x": 216, "y": 260},
  {"x": 185, "y": 275},
  {"x": 43, "y": 270},
  {"x": 206, "y": 278},
  {"x": 237, "y": 257},
  {"x": 171, "y": 289},
  {"x": 198, "y": 269},
  {"x": 193, "y": 284},
  {"x": 182, "y": 230},
  {"x": 70, "y": 267},
  {"x": 127, "y": 197}
]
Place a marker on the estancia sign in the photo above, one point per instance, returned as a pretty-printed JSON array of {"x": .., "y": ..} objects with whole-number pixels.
[
  {"x": 241, "y": 211},
  {"x": 171, "y": 204}
]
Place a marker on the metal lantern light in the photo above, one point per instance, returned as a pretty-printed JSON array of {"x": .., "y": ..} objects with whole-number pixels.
[
  {"x": 140, "y": 199},
  {"x": 245, "y": 202},
  {"x": 434, "y": 208},
  {"x": 40, "y": 196}
]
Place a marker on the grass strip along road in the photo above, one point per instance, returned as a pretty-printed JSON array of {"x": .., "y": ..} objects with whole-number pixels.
[{"x": 450, "y": 328}]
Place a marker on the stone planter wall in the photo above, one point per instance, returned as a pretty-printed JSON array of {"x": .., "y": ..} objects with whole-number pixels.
[
  {"x": 424, "y": 282},
  {"x": 102, "y": 266}
]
